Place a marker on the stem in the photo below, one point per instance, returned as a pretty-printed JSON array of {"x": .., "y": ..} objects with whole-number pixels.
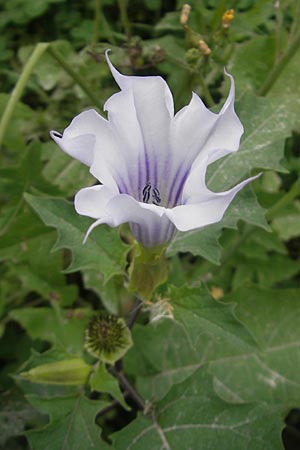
[
  {"x": 20, "y": 86},
  {"x": 76, "y": 77},
  {"x": 107, "y": 408},
  {"x": 124, "y": 18},
  {"x": 134, "y": 313},
  {"x": 207, "y": 96},
  {"x": 127, "y": 386},
  {"x": 280, "y": 65},
  {"x": 97, "y": 21}
]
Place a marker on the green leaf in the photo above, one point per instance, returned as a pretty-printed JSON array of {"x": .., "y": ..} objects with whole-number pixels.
[
  {"x": 72, "y": 424},
  {"x": 170, "y": 351},
  {"x": 65, "y": 327},
  {"x": 260, "y": 50},
  {"x": 103, "y": 251},
  {"x": 271, "y": 373},
  {"x": 102, "y": 381},
  {"x": 267, "y": 124},
  {"x": 24, "y": 249},
  {"x": 288, "y": 225},
  {"x": 15, "y": 415},
  {"x": 193, "y": 414},
  {"x": 67, "y": 173}
]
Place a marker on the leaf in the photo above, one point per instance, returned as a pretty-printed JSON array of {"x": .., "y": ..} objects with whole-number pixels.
[
  {"x": 15, "y": 180},
  {"x": 68, "y": 174},
  {"x": 272, "y": 373},
  {"x": 288, "y": 225},
  {"x": 267, "y": 123},
  {"x": 192, "y": 414},
  {"x": 65, "y": 327},
  {"x": 15, "y": 414},
  {"x": 203, "y": 330},
  {"x": 103, "y": 251},
  {"x": 24, "y": 249},
  {"x": 102, "y": 381},
  {"x": 260, "y": 50},
  {"x": 72, "y": 424}
]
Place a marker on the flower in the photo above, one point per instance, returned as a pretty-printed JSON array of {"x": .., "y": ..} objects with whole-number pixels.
[{"x": 152, "y": 164}]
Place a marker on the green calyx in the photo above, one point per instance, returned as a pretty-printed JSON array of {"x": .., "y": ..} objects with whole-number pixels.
[
  {"x": 147, "y": 271},
  {"x": 107, "y": 338}
]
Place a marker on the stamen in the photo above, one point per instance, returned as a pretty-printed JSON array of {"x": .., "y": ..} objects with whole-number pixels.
[
  {"x": 156, "y": 196},
  {"x": 56, "y": 134},
  {"x": 147, "y": 191}
]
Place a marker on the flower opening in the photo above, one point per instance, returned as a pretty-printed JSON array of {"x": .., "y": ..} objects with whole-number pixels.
[{"x": 151, "y": 163}]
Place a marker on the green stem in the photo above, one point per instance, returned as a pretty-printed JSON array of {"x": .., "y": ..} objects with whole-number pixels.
[
  {"x": 208, "y": 98},
  {"x": 285, "y": 200},
  {"x": 19, "y": 88},
  {"x": 280, "y": 65},
  {"x": 124, "y": 18},
  {"x": 128, "y": 387},
  {"x": 76, "y": 77},
  {"x": 97, "y": 21}
]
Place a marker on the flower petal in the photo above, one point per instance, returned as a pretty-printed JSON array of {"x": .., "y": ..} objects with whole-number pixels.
[
  {"x": 78, "y": 139},
  {"x": 89, "y": 139},
  {"x": 141, "y": 117},
  {"x": 209, "y": 209},
  {"x": 198, "y": 134},
  {"x": 148, "y": 222},
  {"x": 92, "y": 201}
]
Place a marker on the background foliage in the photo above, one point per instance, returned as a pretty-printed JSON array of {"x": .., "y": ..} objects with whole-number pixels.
[{"x": 221, "y": 369}]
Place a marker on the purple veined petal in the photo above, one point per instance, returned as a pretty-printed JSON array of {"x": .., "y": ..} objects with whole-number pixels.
[
  {"x": 198, "y": 134},
  {"x": 89, "y": 139},
  {"x": 78, "y": 139},
  {"x": 92, "y": 201},
  {"x": 149, "y": 223},
  {"x": 143, "y": 123},
  {"x": 209, "y": 209}
]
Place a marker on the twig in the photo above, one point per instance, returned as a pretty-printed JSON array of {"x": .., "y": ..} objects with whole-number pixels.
[
  {"x": 127, "y": 386},
  {"x": 134, "y": 313}
]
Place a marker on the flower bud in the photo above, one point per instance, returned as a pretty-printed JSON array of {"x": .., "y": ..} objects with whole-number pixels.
[
  {"x": 204, "y": 48},
  {"x": 107, "y": 338},
  {"x": 67, "y": 372},
  {"x": 185, "y": 12},
  {"x": 227, "y": 18}
]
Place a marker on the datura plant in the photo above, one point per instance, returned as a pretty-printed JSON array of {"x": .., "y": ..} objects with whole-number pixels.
[
  {"x": 151, "y": 165},
  {"x": 167, "y": 316}
]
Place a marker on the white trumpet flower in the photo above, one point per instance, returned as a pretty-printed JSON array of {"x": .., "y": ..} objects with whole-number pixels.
[{"x": 151, "y": 163}]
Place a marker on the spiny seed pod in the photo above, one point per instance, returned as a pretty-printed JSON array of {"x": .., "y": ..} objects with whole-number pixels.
[{"x": 107, "y": 338}]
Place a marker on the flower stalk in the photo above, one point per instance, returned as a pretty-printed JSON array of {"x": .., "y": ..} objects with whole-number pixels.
[{"x": 20, "y": 86}]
